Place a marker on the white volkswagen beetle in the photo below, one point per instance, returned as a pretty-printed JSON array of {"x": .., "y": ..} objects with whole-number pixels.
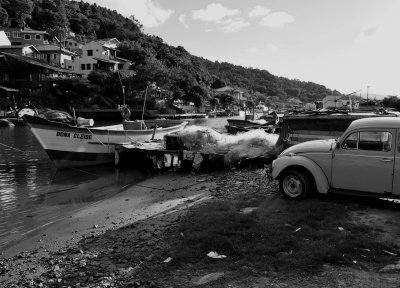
[{"x": 365, "y": 160}]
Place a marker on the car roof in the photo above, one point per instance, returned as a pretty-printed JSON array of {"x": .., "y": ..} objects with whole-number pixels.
[{"x": 376, "y": 122}]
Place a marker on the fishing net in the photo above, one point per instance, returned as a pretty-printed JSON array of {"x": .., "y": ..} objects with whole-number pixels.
[{"x": 247, "y": 145}]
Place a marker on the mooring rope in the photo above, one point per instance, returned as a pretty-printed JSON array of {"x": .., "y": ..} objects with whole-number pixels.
[{"x": 95, "y": 136}]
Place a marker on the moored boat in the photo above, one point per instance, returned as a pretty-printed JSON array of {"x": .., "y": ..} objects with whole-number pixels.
[
  {"x": 75, "y": 146},
  {"x": 303, "y": 127}
]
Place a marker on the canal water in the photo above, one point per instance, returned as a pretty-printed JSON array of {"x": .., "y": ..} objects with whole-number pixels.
[{"x": 34, "y": 193}]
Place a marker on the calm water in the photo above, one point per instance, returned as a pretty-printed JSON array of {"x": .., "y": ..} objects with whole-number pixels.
[{"x": 33, "y": 192}]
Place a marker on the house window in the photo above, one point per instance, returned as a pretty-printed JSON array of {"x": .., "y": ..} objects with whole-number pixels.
[
  {"x": 16, "y": 34},
  {"x": 8, "y": 34},
  {"x": 55, "y": 56},
  {"x": 89, "y": 52},
  {"x": 27, "y": 37},
  {"x": 38, "y": 37},
  {"x": 88, "y": 66},
  {"x": 76, "y": 44},
  {"x": 83, "y": 66}
]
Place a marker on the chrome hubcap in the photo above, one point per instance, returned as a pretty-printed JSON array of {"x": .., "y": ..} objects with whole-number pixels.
[{"x": 292, "y": 186}]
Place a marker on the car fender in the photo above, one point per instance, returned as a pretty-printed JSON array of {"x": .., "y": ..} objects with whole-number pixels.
[{"x": 285, "y": 162}]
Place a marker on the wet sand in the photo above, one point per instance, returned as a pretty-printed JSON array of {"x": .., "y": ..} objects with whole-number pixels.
[{"x": 154, "y": 196}]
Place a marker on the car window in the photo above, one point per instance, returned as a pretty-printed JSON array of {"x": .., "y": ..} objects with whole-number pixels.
[
  {"x": 369, "y": 140},
  {"x": 375, "y": 141},
  {"x": 351, "y": 141}
]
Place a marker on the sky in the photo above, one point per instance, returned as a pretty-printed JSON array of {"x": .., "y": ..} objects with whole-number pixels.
[{"x": 347, "y": 45}]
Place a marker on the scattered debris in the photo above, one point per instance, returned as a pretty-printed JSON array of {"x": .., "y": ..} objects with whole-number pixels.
[
  {"x": 167, "y": 260},
  {"x": 297, "y": 230},
  {"x": 209, "y": 278},
  {"x": 215, "y": 255},
  {"x": 341, "y": 228},
  {"x": 390, "y": 253},
  {"x": 248, "y": 210}
]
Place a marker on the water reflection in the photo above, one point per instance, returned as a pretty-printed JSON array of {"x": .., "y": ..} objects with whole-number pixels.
[{"x": 33, "y": 191}]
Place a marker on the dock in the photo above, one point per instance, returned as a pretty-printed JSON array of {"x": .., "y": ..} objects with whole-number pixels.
[
  {"x": 157, "y": 155},
  {"x": 183, "y": 116},
  {"x": 148, "y": 155}
]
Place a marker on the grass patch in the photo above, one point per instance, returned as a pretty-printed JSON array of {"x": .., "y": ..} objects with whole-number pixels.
[{"x": 280, "y": 236}]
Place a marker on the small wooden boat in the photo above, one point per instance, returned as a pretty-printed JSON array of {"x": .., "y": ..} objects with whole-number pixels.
[
  {"x": 239, "y": 125},
  {"x": 74, "y": 146},
  {"x": 6, "y": 123}
]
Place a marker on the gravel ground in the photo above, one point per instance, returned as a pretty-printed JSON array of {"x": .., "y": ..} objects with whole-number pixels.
[
  {"x": 116, "y": 257},
  {"x": 130, "y": 256}
]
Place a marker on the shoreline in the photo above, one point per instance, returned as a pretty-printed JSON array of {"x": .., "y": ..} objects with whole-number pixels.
[{"x": 153, "y": 196}]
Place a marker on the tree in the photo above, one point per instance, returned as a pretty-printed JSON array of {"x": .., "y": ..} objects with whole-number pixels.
[
  {"x": 22, "y": 10},
  {"x": 197, "y": 95},
  {"x": 225, "y": 100},
  {"x": 3, "y": 17},
  {"x": 214, "y": 102}
]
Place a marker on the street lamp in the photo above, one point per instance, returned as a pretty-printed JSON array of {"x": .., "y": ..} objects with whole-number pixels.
[{"x": 367, "y": 93}]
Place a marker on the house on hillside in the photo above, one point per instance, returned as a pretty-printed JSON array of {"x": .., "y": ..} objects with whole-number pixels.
[
  {"x": 26, "y": 36},
  {"x": 99, "y": 55},
  {"x": 72, "y": 45},
  {"x": 21, "y": 50},
  {"x": 55, "y": 55},
  {"x": 237, "y": 94},
  {"x": 4, "y": 41},
  {"x": 27, "y": 72}
]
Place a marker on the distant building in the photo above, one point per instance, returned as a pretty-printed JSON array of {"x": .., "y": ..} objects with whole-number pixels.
[
  {"x": 4, "y": 41},
  {"x": 234, "y": 92},
  {"x": 340, "y": 102},
  {"x": 27, "y": 72},
  {"x": 72, "y": 45},
  {"x": 52, "y": 54},
  {"x": 21, "y": 36},
  {"x": 21, "y": 50},
  {"x": 99, "y": 55}
]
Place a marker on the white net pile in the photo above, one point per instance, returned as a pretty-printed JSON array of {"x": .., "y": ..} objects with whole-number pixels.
[{"x": 247, "y": 145}]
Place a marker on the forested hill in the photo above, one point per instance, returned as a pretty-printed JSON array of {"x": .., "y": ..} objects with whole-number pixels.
[{"x": 173, "y": 68}]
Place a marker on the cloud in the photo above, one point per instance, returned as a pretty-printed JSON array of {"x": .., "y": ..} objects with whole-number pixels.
[
  {"x": 277, "y": 19},
  {"x": 235, "y": 25},
  {"x": 259, "y": 11},
  {"x": 268, "y": 48},
  {"x": 149, "y": 13},
  {"x": 367, "y": 32},
  {"x": 272, "y": 48},
  {"x": 252, "y": 50},
  {"x": 214, "y": 12},
  {"x": 182, "y": 19}
]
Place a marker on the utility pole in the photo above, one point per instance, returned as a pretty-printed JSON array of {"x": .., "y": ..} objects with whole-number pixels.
[{"x": 367, "y": 93}]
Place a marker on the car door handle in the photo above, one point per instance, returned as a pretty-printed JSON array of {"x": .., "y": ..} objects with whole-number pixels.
[{"x": 387, "y": 160}]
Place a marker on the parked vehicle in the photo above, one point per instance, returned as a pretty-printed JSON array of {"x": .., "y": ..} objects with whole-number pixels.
[{"x": 365, "y": 161}]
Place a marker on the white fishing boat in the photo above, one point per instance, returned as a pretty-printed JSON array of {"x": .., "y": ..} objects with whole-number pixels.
[{"x": 74, "y": 146}]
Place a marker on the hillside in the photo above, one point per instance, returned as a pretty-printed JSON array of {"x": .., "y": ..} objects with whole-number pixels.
[{"x": 172, "y": 68}]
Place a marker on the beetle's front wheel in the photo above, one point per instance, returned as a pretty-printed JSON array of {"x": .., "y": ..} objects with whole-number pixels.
[{"x": 295, "y": 184}]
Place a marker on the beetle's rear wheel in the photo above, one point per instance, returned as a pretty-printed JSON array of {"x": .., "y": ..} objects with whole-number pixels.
[{"x": 295, "y": 184}]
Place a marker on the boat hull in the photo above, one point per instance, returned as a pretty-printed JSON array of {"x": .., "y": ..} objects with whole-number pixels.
[{"x": 70, "y": 146}]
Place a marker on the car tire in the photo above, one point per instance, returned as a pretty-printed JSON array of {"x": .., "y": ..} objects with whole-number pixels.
[{"x": 295, "y": 184}]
